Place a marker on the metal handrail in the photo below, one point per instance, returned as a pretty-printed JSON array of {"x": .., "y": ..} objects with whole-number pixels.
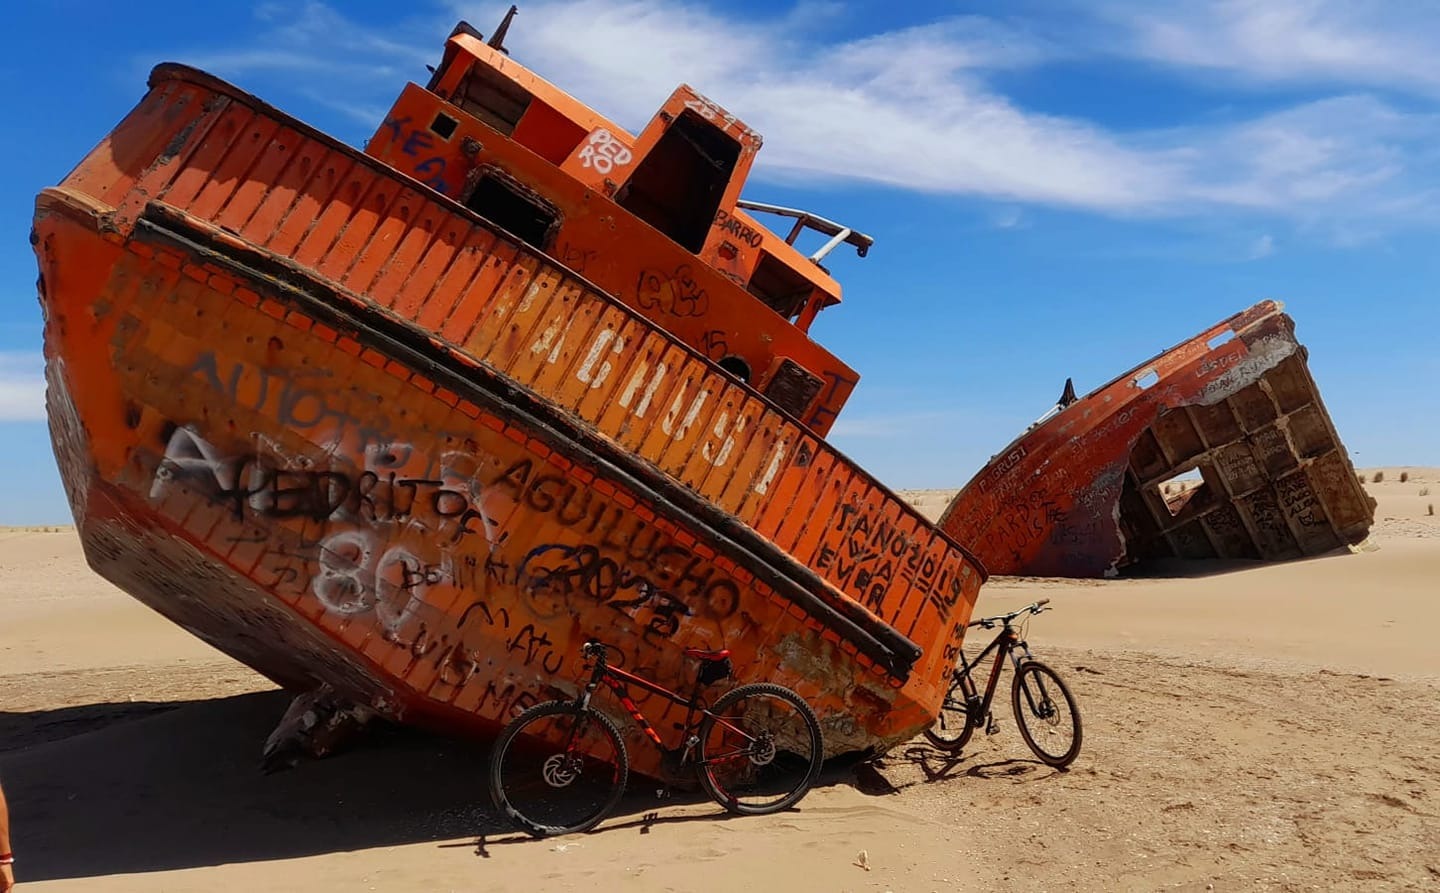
[{"x": 804, "y": 219}]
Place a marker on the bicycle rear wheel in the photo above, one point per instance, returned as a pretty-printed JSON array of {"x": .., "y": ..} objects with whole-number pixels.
[
  {"x": 1046, "y": 713},
  {"x": 760, "y": 749},
  {"x": 952, "y": 728},
  {"x": 558, "y": 770}
]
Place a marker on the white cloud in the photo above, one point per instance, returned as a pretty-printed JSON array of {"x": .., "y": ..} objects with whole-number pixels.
[
  {"x": 917, "y": 108},
  {"x": 315, "y": 47},
  {"x": 1262, "y": 247},
  {"x": 22, "y": 386},
  {"x": 906, "y": 108},
  {"x": 1358, "y": 42},
  {"x": 1008, "y": 217}
]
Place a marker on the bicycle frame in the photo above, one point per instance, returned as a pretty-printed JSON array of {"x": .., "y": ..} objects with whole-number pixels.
[
  {"x": 616, "y": 679},
  {"x": 1007, "y": 642}
]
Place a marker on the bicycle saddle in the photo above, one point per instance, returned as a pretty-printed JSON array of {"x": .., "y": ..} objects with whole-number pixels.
[{"x": 702, "y": 654}]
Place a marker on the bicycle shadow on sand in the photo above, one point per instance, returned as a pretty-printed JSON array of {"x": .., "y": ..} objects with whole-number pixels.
[
  {"x": 643, "y": 810},
  {"x": 924, "y": 764},
  {"x": 624, "y": 819}
]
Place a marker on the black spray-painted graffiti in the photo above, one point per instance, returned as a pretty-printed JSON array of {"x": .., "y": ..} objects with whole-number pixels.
[
  {"x": 1024, "y": 521},
  {"x": 553, "y": 576},
  {"x": 258, "y": 485},
  {"x": 828, "y": 406},
  {"x": 873, "y": 553},
  {"x": 302, "y": 399},
  {"x": 359, "y": 566},
  {"x": 416, "y": 142},
  {"x": 738, "y": 228},
  {"x": 676, "y": 292}
]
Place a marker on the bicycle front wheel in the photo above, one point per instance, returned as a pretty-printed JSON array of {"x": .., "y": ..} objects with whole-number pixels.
[
  {"x": 952, "y": 728},
  {"x": 760, "y": 749},
  {"x": 558, "y": 770},
  {"x": 1046, "y": 713}
]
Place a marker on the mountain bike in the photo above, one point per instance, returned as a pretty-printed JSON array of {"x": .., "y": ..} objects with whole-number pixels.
[
  {"x": 561, "y": 766},
  {"x": 1045, "y": 710}
]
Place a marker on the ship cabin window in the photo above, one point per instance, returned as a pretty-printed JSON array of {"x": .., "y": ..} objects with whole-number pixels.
[
  {"x": 492, "y": 97},
  {"x": 504, "y": 202},
  {"x": 780, "y": 287},
  {"x": 443, "y": 126},
  {"x": 677, "y": 186}
]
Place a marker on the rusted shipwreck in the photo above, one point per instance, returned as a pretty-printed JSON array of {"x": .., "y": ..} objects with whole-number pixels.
[
  {"x": 1110, "y": 479},
  {"x": 409, "y": 425}
]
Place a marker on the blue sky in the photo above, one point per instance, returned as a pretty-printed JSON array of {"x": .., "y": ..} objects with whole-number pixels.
[{"x": 1056, "y": 189}]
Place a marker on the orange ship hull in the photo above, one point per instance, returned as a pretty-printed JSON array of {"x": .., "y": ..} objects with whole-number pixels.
[
  {"x": 1098, "y": 485},
  {"x": 378, "y": 445}
]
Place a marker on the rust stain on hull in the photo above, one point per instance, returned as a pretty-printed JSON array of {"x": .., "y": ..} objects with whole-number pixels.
[
  {"x": 1111, "y": 479},
  {"x": 339, "y": 427}
]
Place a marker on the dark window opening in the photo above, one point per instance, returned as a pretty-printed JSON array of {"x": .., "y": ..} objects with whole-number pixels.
[
  {"x": 736, "y": 366},
  {"x": 443, "y": 126},
  {"x": 677, "y": 187},
  {"x": 782, "y": 289},
  {"x": 493, "y": 98},
  {"x": 513, "y": 208}
]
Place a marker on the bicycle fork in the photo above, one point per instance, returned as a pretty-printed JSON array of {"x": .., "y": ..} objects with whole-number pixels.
[{"x": 1043, "y": 707}]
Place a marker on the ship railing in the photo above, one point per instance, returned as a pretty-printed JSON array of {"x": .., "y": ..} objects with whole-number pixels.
[{"x": 804, "y": 220}]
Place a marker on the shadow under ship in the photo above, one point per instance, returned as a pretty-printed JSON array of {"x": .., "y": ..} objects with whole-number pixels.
[{"x": 409, "y": 425}]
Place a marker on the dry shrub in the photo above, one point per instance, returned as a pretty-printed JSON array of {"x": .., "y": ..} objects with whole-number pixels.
[
  {"x": 1379, "y": 476},
  {"x": 1360, "y": 478},
  {"x": 1432, "y": 509},
  {"x": 1404, "y": 476},
  {"x": 1424, "y": 491}
]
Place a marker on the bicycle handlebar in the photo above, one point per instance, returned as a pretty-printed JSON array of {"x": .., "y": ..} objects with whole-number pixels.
[
  {"x": 594, "y": 650},
  {"x": 989, "y": 622}
]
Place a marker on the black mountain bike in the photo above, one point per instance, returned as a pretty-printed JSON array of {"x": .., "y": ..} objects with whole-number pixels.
[
  {"x": 561, "y": 766},
  {"x": 1045, "y": 710}
]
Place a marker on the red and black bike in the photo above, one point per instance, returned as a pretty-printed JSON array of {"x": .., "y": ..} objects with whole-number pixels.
[{"x": 561, "y": 766}]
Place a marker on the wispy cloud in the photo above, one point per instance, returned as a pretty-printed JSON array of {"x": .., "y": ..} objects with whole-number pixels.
[
  {"x": 326, "y": 57},
  {"x": 22, "y": 386},
  {"x": 918, "y": 108},
  {"x": 1358, "y": 42}
]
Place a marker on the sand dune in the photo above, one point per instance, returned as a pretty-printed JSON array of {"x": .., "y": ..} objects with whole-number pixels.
[{"x": 1254, "y": 727}]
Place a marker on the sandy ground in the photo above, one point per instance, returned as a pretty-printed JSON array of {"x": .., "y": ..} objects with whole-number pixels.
[{"x": 1260, "y": 727}]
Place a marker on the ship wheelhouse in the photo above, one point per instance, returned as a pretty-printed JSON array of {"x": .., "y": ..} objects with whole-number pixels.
[{"x": 654, "y": 218}]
